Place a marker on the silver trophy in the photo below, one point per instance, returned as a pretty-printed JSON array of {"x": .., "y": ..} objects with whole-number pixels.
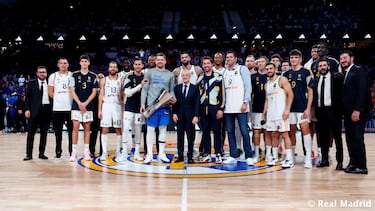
[{"x": 162, "y": 100}]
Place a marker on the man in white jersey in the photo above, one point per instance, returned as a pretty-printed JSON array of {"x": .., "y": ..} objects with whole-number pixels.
[
  {"x": 195, "y": 71},
  {"x": 279, "y": 98},
  {"x": 237, "y": 92},
  {"x": 58, "y": 90},
  {"x": 110, "y": 108}
]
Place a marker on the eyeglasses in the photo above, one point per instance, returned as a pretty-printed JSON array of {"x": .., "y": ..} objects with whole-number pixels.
[{"x": 42, "y": 72}]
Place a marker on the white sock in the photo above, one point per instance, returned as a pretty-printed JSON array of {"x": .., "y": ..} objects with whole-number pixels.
[
  {"x": 74, "y": 148},
  {"x": 150, "y": 138},
  {"x": 308, "y": 145},
  {"x": 119, "y": 141},
  {"x": 86, "y": 148},
  {"x": 288, "y": 153},
  {"x": 275, "y": 152},
  {"x": 320, "y": 151},
  {"x": 256, "y": 149},
  {"x": 104, "y": 143},
  {"x": 268, "y": 151}
]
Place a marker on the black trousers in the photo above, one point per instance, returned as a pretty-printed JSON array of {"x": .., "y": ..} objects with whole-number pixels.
[
  {"x": 185, "y": 125},
  {"x": 41, "y": 120},
  {"x": 329, "y": 125},
  {"x": 59, "y": 118},
  {"x": 208, "y": 123},
  {"x": 354, "y": 133}
]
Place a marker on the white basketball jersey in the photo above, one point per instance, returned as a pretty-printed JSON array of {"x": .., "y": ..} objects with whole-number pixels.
[
  {"x": 234, "y": 90},
  {"x": 193, "y": 75},
  {"x": 276, "y": 98},
  {"x": 112, "y": 90},
  {"x": 62, "y": 99}
]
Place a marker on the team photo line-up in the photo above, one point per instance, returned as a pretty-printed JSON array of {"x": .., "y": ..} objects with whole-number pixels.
[{"x": 265, "y": 99}]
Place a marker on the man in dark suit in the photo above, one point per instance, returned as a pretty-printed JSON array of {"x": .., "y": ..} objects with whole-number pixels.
[
  {"x": 185, "y": 114},
  {"x": 356, "y": 101},
  {"x": 327, "y": 92},
  {"x": 38, "y": 110}
]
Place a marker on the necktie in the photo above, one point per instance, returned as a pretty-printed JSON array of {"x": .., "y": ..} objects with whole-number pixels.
[
  {"x": 41, "y": 91},
  {"x": 322, "y": 92},
  {"x": 184, "y": 92}
]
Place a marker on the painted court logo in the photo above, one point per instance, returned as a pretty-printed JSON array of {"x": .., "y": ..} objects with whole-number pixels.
[{"x": 176, "y": 170}]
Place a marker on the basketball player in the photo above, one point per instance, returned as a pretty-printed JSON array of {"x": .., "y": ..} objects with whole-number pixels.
[
  {"x": 158, "y": 79},
  {"x": 195, "y": 71},
  {"x": 132, "y": 118},
  {"x": 279, "y": 98},
  {"x": 111, "y": 96},
  {"x": 83, "y": 87},
  {"x": 258, "y": 81},
  {"x": 299, "y": 77}
]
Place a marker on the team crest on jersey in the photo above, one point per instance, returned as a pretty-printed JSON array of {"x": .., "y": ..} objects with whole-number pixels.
[{"x": 133, "y": 167}]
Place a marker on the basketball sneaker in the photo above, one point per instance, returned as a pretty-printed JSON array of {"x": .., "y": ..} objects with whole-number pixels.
[
  {"x": 287, "y": 164},
  {"x": 104, "y": 156},
  {"x": 250, "y": 161},
  {"x": 230, "y": 160},
  {"x": 148, "y": 159},
  {"x": 73, "y": 157},
  {"x": 219, "y": 159},
  {"x": 137, "y": 156},
  {"x": 163, "y": 158},
  {"x": 206, "y": 158},
  {"x": 86, "y": 156}
]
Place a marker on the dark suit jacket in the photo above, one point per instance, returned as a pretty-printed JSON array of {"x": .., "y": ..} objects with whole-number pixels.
[
  {"x": 186, "y": 107},
  {"x": 33, "y": 97},
  {"x": 336, "y": 93},
  {"x": 356, "y": 94}
]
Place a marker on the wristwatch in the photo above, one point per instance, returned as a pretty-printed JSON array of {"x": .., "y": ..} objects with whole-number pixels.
[{"x": 246, "y": 103}]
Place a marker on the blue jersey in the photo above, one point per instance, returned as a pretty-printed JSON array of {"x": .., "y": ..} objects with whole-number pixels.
[
  {"x": 133, "y": 103},
  {"x": 299, "y": 80},
  {"x": 258, "y": 81},
  {"x": 84, "y": 84}
]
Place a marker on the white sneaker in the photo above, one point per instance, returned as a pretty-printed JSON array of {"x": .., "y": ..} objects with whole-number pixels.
[
  {"x": 138, "y": 157},
  {"x": 86, "y": 156},
  {"x": 272, "y": 162},
  {"x": 163, "y": 158},
  {"x": 308, "y": 163},
  {"x": 104, "y": 156},
  {"x": 230, "y": 160},
  {"x": 122, "y": 157},
  {"x": 287, "y": 164},
  {"x": 250, "y": 161},
  {"x": 207, "y": 159},
  {"x": 73, "y": 157},
  {"x": 269, "y": 159},
  {"x": 219, "y": 159},
  {"x": 148, "y": 159}
]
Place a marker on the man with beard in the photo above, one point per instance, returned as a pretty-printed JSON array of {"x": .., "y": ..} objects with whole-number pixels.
[{"x": 357, "y": 102}]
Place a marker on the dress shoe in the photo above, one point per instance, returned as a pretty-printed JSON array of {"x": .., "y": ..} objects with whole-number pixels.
[
  {"x": 350, "y": 166},
  {"x": 356, "y": 170},
  {"x": 323, "y": 164},
  {"x": 27, "y": 158},
  {"x": 339, "y": 167},
  {"x": 190, "y": 160},
  {"x": 43, "y": 157},
  {"x": 58, "y": 155},
  {"x": 179, "y": 160}
]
